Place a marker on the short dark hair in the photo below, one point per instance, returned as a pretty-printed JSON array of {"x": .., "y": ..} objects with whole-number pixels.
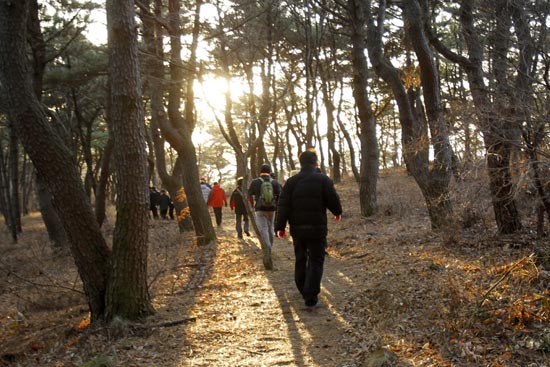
[
  {"x": 265, "y": 168},
  {"x": 309, "y": 157}
]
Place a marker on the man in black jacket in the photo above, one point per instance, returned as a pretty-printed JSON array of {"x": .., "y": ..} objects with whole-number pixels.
[{"x": 303, "y": 203}]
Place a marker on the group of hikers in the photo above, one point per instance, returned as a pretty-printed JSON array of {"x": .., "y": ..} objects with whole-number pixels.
[
  {"x": 160, "y": 201},
  {"x": 301, "y": 203}
]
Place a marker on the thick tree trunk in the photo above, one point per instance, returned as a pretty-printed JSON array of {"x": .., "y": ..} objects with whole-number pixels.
[
  {"x": 52, "y": 160},
  {"x": 498, "y": 153},
  {"x": 178, "y": 130},
  {"x": 490, "y": 121},
  {"x": 434, "y": 181},
  {"x": 127, "y": 292}
]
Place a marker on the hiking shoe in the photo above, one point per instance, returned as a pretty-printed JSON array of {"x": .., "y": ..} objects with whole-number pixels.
[
  {"x": 240, "y": 236},
  {"x": 311, "y": 304},
  {"x": 247, "y": 233}
]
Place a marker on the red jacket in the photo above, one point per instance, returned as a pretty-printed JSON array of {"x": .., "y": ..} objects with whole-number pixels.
[{"x": 217, "y": 197}]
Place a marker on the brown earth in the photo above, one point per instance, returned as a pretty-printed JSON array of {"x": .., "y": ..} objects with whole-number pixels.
[{"x": 394, "y": 294}]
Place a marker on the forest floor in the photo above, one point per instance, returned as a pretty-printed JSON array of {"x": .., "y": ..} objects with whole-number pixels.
[{"x": 394, "y": 293}]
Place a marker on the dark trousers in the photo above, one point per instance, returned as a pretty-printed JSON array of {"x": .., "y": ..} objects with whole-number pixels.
[
  {"x": 308, "y": 269},
  {"x": 154, "y": 211},
  {"x": 218, "y": 215},
  {"x": 163, "y": 212},
  {"x": 171, "y": 211},
  {"x": 241, "y": 222}
]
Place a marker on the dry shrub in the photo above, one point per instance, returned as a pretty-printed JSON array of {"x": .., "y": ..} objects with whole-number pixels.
[{"x": 398, "y": 194}]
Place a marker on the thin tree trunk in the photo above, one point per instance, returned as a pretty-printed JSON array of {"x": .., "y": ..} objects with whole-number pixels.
[
  {"x": 367, "y": 124},
  {"x": 101, "y": 189},
  {"x": 13, "y": 165},
  {"x": 51, "y": 219}
]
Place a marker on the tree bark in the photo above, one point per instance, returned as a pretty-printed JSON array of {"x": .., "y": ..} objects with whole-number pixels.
[
  {"x": 177, "y": 130},
  {"x": 368, "y": 176},
  {"x": 434, "y": 181},
  {"x": 52, "y": 160},
  {"x": 51, "y": 219},
  {"x": 152, "y": 35},
  {"x": 127, "y": 292},
  {"x": 496, "y": 145}
]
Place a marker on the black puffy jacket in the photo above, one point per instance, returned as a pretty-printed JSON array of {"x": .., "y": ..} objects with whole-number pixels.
[{"x": 304, "y": 201}]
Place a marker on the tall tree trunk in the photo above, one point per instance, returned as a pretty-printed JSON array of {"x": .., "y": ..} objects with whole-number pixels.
[
  {"x": 496, "y": 145},
  {"x": 13, "y": 165},
  {"x": 51, "y": 158},
  {"x": 102, "y": 182},
  {"x": 5, "y": 198},
  {"x": 51, "y": 219},
  {"x": 177, "y": 130},
  {"x": 127, "y": 292},
  {"x": 434, "y": 181},
  {"x": 367, "y": 125},
  {"x": 533, "y": 131},
  {"x": 153, "y": 36}
]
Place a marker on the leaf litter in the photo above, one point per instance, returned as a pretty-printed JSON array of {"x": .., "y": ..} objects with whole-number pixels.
[{"x": 394, "y": 294}]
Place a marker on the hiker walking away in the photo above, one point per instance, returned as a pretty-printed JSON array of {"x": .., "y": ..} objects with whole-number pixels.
[
  {"x": 303, "y": 203},
  {"x": 217, "y": 200},
  {"x": 206, "y": 189},
  {"x": 153, "y": 201},
  {"x": 236, "y": 202},
  {"x": 164, "y": 202},
  {"x": 171, "y": 209},
  {"x": 265, "y": 191}
]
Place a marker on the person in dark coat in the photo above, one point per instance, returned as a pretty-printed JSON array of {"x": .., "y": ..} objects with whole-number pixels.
[
  {"x": 236, "y": 202},
  {"x": 164, "y": 204},
  {"x": 153, "y": 201},
  {"x": 303, "y": 204}
]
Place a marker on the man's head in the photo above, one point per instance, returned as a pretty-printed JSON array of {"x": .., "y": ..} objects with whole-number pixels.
[
  {"x": 265, "y": 168},
  {"x": 239, "y": 181},
  {"x": 308, "y": 158},
  {"x": 163, "y": 191},
  {"x": 203, "y": 180}
]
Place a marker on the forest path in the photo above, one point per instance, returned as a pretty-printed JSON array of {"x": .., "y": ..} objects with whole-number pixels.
[{"x": 249, "y": 316}]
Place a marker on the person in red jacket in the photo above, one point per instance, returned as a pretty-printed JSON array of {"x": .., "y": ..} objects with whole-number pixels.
[{"x": 217, "y": 200}]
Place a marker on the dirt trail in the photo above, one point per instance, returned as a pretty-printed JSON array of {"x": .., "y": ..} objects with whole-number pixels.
[
  {"x": 394, "y": 294},
  {"x": 247, "y": 316}
]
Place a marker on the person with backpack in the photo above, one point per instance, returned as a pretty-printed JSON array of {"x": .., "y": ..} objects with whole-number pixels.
[
  {"x": 265, "y": 191},
  {"x": 236, "y": 202},
  {"x": 217, "y": 200},
  {"x": 303, "y": 204}
]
